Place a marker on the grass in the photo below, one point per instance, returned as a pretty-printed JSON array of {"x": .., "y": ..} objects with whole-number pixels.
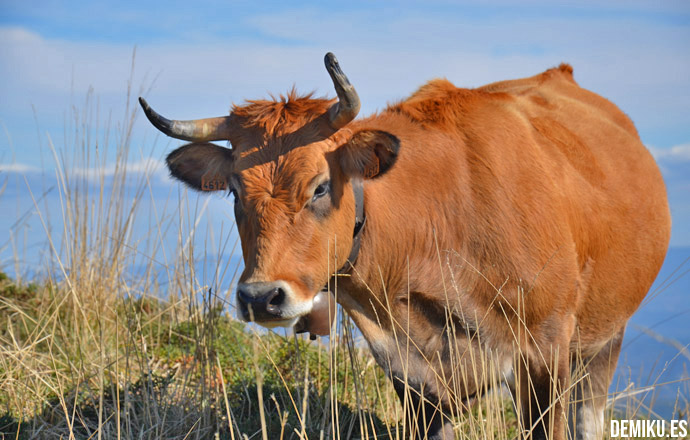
[
  {"x": 160, "y": 371},
  {"x": 93, "y": 349}
]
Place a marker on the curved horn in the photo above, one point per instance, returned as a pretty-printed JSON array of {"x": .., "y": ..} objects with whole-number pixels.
[
  {"x": 199, "y": 130},
  {"x": 347, "y": 107}
]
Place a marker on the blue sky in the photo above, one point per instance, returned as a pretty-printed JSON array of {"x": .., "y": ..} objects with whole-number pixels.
[{"x": 193, "y": 59}]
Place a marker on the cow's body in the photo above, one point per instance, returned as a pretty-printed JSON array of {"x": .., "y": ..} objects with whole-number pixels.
[
  {"x": 523, "y": 221},
  {"x": 535, "y": 188}
]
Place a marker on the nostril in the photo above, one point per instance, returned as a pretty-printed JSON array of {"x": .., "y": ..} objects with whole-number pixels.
[
  {"x": 243, "y": 297},
  {"x": 274, "y": 300}
]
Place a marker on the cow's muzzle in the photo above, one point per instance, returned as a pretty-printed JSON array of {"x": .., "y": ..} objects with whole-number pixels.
[{"x": 260, "y": 302}]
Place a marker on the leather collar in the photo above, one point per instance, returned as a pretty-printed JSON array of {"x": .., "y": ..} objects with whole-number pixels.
[{"x": 360, "y": 220}]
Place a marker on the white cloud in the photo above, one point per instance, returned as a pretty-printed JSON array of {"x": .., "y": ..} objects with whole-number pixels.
[
  {"x": 153, "y": 168},
  {"x": 38, "y": 64},
  {"x": 150, "y": 167},
  {"x": 642, "y": 64},
  {"x": 19, "y": 168},
  {"x": 677, "y": 153}
]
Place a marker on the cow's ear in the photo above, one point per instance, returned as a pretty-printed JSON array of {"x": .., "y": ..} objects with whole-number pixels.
[
  {"x": 202, "y": 166},
  {"x": 368, "y": 153}
]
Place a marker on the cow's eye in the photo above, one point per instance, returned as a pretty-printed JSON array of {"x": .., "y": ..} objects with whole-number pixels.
[
  {"x": 239, "y": 215},
  {"x": 321, "y": 190}
]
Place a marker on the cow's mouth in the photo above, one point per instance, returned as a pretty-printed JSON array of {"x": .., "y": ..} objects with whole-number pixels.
[{"x": 273, "y": 323}]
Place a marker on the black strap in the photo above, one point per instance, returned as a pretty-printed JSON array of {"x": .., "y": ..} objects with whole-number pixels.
[{"x": 360, "y": 219}]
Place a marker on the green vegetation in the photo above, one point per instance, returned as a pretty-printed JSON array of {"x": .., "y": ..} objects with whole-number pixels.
[{"x": 160, "y": 372}]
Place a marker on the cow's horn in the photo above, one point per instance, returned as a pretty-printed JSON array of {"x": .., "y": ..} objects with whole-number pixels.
[
  {"x": 347, "y": 107},
  {"x": 199, "y": 130}
]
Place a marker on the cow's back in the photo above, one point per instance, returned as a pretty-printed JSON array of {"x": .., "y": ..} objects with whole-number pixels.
[{"x": 561, "y": 190}]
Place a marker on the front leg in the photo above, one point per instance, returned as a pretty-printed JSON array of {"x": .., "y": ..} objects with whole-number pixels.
[
  {"x": 424, "y": 415},
  {"x": 541, "y": 391},
  {"x": 416, "y": 375}
]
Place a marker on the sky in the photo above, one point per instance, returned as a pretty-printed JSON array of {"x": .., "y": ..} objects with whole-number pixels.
[{"x": 193, "y": 59}]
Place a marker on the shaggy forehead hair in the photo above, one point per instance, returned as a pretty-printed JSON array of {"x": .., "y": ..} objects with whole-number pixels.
[{"x": 283, "y": 115}]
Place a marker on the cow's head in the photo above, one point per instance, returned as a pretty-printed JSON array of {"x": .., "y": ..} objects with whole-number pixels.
[{"x": 291, "y": 170}]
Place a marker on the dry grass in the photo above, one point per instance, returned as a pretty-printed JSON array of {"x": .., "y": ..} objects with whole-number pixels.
[{"x": 92, "y": 350}]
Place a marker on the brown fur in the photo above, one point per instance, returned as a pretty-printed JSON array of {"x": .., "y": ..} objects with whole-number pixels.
[
  {"x": 527, "y": 212},
  {"x": 282, "y": 115}
]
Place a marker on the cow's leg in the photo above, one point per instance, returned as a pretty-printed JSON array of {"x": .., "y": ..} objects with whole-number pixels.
[
  {"x": 424, "y": 415},
  {"x": 541, "y": 392},
  {"x": 588, "y": 396}
]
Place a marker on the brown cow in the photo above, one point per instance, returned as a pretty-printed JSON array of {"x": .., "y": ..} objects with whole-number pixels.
[{"x": 519, "y": 224}]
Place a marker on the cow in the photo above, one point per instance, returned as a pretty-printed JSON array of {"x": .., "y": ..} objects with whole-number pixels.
[{"x": 521, "y": 222}]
